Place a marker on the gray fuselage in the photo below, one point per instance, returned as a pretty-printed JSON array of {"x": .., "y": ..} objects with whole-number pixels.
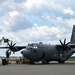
[{"x": 41, "y": 51}]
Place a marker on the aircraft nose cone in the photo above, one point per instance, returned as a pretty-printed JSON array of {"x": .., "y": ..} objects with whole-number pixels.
[
  {"x": 22, "y": 52},
  {"x": 25, "y": 53}
]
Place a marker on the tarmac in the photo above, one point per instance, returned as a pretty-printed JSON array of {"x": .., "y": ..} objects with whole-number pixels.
[{"x": 52, "y": 68}]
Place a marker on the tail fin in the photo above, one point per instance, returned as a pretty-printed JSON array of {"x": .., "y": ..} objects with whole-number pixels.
[{"x": 72, "y": 41}]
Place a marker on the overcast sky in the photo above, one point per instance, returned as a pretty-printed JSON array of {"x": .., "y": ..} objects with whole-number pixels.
[{"x": 26, "y": 21}]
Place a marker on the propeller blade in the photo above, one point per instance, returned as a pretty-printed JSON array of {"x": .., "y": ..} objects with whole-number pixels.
[
  {"x": 14, "y": 44},
  {"x": 11, "y": 43},
  {"x": 8, "y": 43},
  {"x": 61, "y": 42},
  {"x": 67, "y": 43},
  {"x": 64, "y": 41}
]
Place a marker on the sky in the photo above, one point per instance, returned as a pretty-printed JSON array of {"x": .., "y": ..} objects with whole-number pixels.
[{"x": 27, "y": 21}]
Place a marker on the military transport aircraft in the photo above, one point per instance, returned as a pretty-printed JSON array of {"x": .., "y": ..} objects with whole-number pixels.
[{"x": 45, "y": 52}]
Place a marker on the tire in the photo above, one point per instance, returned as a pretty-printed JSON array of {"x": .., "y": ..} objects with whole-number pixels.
[{"x": 47, "y": 62}]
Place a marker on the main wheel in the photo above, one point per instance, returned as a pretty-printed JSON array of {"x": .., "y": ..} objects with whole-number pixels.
[{"x": 47, "y": 62}]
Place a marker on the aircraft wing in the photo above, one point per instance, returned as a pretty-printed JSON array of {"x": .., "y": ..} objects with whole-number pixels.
[{"x": 14, "y": 49}]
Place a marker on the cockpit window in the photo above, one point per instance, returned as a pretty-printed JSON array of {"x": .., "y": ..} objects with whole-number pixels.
[
  {"x": 32, "y": 46},
  {"x": 35, "y": 46}
]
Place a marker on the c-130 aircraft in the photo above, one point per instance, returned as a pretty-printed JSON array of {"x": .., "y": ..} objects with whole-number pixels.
[{"x": 45, "y": 52}]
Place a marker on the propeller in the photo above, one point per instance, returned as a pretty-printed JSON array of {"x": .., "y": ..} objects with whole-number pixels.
[
  {"x": 11, "y": 46},
  {"x": 64, "y": 45}
]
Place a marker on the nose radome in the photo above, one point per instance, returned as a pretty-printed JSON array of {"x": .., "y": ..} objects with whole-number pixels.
[
  {"x": 28, "y": 54},
  {"x": 22, "y": 52},
  {"x": 25, "y": 53}
]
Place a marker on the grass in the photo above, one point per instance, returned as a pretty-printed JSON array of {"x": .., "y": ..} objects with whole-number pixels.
[{"x": 71, "y": 59}]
